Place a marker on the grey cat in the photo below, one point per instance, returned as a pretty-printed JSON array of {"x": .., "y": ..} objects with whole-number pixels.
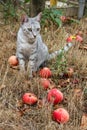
[{"x": 30, "y": 46}]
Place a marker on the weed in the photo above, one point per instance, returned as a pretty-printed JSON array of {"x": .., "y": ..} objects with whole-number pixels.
[
  {"x": 10, "y": 8},
  {"x": 52, "y": 14},
  {"x": 60, "y": 64}
]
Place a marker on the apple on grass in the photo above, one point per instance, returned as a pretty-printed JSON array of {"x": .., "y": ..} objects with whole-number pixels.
[
  {"x": 13, "y": 61},
  {"x": 54, "y": 96},
  {"x": 69, "y": 39},
  {"x": 29, "y": 98},
  {"x": 60, "y": 115},
  {"x": 45, "y": 72},
  {"x": 63, "y": 18},
  {"x": 45, "y": 83},
  {"x": 79, "y": 38}
]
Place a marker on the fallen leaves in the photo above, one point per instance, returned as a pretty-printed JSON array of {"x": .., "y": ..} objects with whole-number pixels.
[
  {"x": 84, "y": 121},
  {"x": 21, "y": 108}
]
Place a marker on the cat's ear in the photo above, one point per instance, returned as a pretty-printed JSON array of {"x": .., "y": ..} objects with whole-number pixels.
[
  {"x": 24, "y": 18},
  {"x": 38, "y": 17}
]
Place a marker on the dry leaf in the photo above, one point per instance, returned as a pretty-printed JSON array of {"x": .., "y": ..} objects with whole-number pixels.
[
  {"x": 2, "y": 86},
  {"x": 70, "y": 72},
  {"x": 41, "y": 103},
  {"x": 15, "y": 67},
  {"x": 63, "y": 83},
  {"x": 77, "y": 92},
  {"x": 84, "y": 121},
  {"x": 21, "y": 108},
  {"x": 51, "y": 86},
  {"x": 20, "y": 113},
  {"x": 19, "y": 103},
  {"x": 1, "y": 129},
  {"x": 75, "y": 81}
]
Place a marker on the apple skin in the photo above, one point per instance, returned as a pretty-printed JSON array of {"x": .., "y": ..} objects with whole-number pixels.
[
  {"x": 79, "y": 38},
  {"x": 63, "y": 18},
  {"x": 13, "y": 61},
  {"x": 55, "y": 96},
  {"x": 69, "y": 39},
  {"x": 60, "y": 115},
  {"x": 45, "y": 83},
  {"x": 45, "y": 72},
  {"x": 29, "y": 98}
]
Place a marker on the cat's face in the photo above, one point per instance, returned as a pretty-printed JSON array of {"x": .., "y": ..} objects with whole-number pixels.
[{"x": 31, "y": 27}]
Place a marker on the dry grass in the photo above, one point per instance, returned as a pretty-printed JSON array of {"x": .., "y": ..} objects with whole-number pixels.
[{"x": 17, "y": 116}]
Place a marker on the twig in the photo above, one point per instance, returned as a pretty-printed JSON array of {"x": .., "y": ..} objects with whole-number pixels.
[
  {"x": 3, "y": 86},
  {"x": 83, "y": 47},
  {"x": 1, "y": 70}
]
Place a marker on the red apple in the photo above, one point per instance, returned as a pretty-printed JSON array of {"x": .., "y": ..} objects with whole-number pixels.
[
  {"x": 29, "y": 98},
  {"x": 45, "y": 83},
  {"x": 45, "y": 72},
  {"x": 63, "y": 18},
  {"x": 13, "y": 61},
  {"x": 60, "y": 115},
  {"x": 79, "y": 38},
  {"x": 55, "y": 96},
  {"x": 69, "y": 39}
]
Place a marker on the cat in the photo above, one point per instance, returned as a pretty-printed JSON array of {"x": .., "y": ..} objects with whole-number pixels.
[{"x": 30, "y": 46}]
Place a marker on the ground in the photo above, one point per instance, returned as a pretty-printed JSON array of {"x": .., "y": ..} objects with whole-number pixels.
[{"x": 14, "y": 114}]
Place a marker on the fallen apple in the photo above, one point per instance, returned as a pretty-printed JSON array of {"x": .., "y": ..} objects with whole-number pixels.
[
  {"x": 60, "y": 115},
  {"x": 45, "y": 83},
  {"x": 79, "y": 38},
  {"x": 63, "y": 18},
  {"x": 45, "y": 72},
  {"x": 55, "y": 96},
  {"x": 29, "y": 98},
  {"x": 13, "y": 61},
  {"x": 69, "y": 39}
]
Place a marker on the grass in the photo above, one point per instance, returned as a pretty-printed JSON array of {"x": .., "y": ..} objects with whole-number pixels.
[{"x": 14, "y": 115}]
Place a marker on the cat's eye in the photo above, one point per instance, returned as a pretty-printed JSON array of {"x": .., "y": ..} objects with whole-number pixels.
[
  {"x": 38, "y": 29},
  {"x": 30, "y": 29}
]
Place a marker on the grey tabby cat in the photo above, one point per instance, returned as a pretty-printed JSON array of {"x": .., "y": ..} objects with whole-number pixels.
[{"x": 30, "y": 46}]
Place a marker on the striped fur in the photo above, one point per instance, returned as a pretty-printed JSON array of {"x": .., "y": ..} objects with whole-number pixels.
[{"x": 30, "y": 46}]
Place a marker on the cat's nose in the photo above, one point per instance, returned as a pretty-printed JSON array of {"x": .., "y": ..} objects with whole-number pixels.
[{"x": 34, "y": 35}]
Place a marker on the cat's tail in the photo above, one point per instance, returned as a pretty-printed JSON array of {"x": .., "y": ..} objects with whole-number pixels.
[{"x": 56, "y": 53}]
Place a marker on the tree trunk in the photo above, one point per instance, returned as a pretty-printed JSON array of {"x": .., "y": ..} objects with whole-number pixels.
[{"x": 36, "y": 6}]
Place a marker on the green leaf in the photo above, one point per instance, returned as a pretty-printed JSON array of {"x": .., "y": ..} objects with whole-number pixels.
[
  {"x": 74, "y": 20},
  {"x": 56, "y": 12},
  {"x": 26, "y": 1},
  {"x": 52, "y": 16},
  {"x": 58, "y": 21}
]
